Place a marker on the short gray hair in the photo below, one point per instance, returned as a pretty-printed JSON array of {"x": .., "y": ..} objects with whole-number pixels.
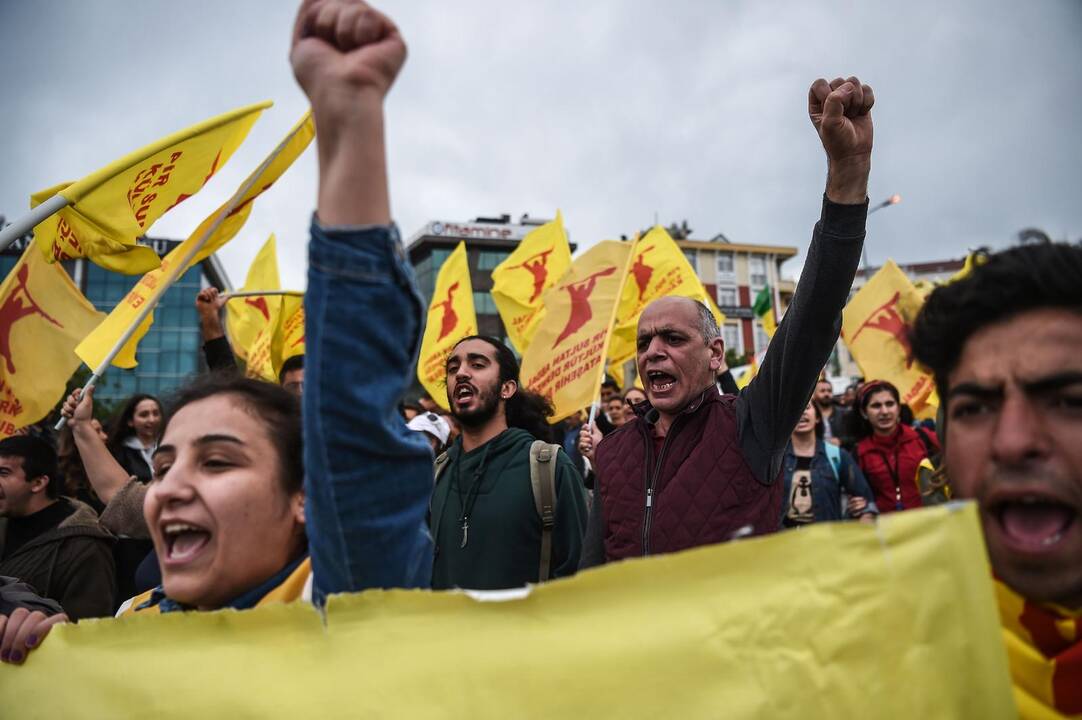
[{"x": 708, "y": 324}]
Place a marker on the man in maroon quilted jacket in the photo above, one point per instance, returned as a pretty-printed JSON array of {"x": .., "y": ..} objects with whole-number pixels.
[{"x": 698, "y": 467}]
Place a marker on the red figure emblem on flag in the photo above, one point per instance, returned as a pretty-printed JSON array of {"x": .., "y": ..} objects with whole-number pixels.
[
  {"x": 641, "y": 271},
  {"x": 450, "y": 317},
  {"x": 14, "y": 308},
  {"x": 580, "y": 303},
  {"x": 886, "y": 318},
  {"x": 260, "y": 304},
  {"x": 538, "y": 267}
]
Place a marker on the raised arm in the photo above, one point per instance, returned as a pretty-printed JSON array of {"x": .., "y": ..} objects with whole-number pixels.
[
  {"x": 105, "y": 474},
  {"x": 216, "y": 350},
  {"x": 770, "y": 406},
  {"x": 368, "y": 478}
]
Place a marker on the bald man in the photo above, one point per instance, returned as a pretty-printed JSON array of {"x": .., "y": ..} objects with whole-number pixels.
[{"x": 696, "y": 467}]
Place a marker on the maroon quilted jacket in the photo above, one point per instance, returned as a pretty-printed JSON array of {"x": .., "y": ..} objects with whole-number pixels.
[{"x": 699, "y": 491}]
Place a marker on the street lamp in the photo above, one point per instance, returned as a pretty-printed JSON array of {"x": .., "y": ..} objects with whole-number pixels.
[{"x": 892, "y": 200}]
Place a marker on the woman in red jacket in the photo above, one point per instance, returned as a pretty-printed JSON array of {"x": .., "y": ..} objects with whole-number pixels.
[{"x": 889, "y": 452}]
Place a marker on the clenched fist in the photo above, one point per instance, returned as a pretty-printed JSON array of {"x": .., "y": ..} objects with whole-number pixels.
[
  {"x": 344, "y": 46},
  {"x": 841, "y": 113}
]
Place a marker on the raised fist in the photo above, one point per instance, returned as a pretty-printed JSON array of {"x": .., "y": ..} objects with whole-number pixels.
[
  {"x": 209, "y": 301},
  {"x": 341, "y": 47},
  {"x": 841, "y": 112}
]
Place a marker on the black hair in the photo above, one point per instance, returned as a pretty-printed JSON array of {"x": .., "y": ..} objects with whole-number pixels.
[
  {"x": 119, "y": 429},
  {"x": 1000, "y": 286},
  {"x": 859, "y": 427},
  {"x": 39, "y": 460},
  {"x": 272, "y": 405},
  {"x": 296, "y": 362},
  {"x": 525, "y": 409},
  {"x": 609, "y": 382}
]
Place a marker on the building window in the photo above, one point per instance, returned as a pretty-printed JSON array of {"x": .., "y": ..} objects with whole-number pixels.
[
  {"x": 693, "y": 259},
  {"x": 761, "y": 339},
  {"x": 483, "y": 304},
  {"x": 727, "y": 297},
  {"x": 489, "y": 259},
  {"x": 169, "y": 353},
  {"x": 725, "y": 266},
  {"x": 730, "y": 333},
  {"x": 756, "y": 271}
]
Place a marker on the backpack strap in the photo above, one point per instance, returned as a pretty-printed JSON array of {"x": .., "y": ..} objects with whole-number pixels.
[
  {"x": 929, "y": 449},
  {"x": 834, "y": 454},
  {"x": 544, "y": 497},
  {"x": 434, "y": 522},
  {"x": 441, "y": 463}
]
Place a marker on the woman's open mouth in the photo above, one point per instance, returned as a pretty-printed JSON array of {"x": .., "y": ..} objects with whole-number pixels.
[{"x": 183, "y": 542}]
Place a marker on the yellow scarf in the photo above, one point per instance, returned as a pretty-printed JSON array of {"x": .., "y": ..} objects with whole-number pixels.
[
  {"x": 1044, "y": 650},
  {"x": 292, "y": 588}
]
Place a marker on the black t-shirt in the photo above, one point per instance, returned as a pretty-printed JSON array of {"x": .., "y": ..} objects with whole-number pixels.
[
  {"x": 22, "y": 530},
  {"x": 801, "y": 509}
]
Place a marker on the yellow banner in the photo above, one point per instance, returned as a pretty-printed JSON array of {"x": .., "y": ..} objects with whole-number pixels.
[
  {"x": 905, "y": 628},
  {"x": 451, "y": 317},
  {"x": 95, "y": 348},
  {"x": 42, "y": 316},
  {"x": 245, "y": 317},
  {"x": 566, "y": 359},
  {"x": 875, "y": 327},
  {"x": 659, "y": 269},
  {"x": 113, "y": 206},
  {"x": 519, "y": 282}
]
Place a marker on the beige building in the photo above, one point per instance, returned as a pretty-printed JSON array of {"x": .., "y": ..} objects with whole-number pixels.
[{"x": 734, "y": 274}]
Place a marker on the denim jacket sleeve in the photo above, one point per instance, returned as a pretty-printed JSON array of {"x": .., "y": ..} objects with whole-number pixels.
[
  {"x": 856, "y": 483},
  {"x": 367, "y": 477}
]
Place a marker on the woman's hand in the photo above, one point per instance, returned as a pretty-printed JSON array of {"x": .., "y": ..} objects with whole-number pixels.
[
  {"x": 23, "y": 630},
  {"x": 79, "y": 407}
]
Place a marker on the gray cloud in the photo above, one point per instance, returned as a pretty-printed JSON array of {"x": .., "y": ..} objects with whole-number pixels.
[{"x": 611, "y": 111}]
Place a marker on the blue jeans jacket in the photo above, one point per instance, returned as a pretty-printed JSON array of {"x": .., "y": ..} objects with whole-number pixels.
[
  {"x": 367, "y": 477},
  {"x": 826, "y": 486}
]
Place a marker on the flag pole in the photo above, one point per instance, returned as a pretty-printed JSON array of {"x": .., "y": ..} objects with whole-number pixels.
[
  {"x": 32, "y": 219},
  {"x": 261, "y": 293},
  {"x": 181, "y": 267},
  {"x": 593, "y": 412}
]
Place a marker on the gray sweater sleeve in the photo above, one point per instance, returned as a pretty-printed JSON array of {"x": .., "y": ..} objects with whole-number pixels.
[{"x": 769, "y": 407}]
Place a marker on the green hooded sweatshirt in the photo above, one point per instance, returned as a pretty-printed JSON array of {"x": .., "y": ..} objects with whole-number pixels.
[{"x": 491, "y": 485}]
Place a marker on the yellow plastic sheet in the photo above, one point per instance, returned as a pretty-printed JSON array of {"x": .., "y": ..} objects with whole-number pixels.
[{"x": 834, "y": 621}]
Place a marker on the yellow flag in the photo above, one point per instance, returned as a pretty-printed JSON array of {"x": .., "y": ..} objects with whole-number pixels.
[
  {"x": 42, "y": 316},
  {"x": 519, "y": 282},
  {"x": 293, "y": 329},
  {"x": 95, "y": 348},
  {"x": 113, "y": 206},
  {"x": 875, "y": 327},
  {"x": 451, "y": 317},
  {"x": 566, "y": 359},
  {"x": 750, "y": 630},
  {"x": 245, "y": 317},
  {"x": 658, "y": 269},
  {"x": 281, "y": 338}
]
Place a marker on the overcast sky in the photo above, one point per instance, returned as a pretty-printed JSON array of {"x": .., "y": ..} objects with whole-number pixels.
[{"x": 613, "y": 111}]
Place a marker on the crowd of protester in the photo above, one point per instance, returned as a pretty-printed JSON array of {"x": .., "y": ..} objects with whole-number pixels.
[{"x": 367, "y": 488}]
